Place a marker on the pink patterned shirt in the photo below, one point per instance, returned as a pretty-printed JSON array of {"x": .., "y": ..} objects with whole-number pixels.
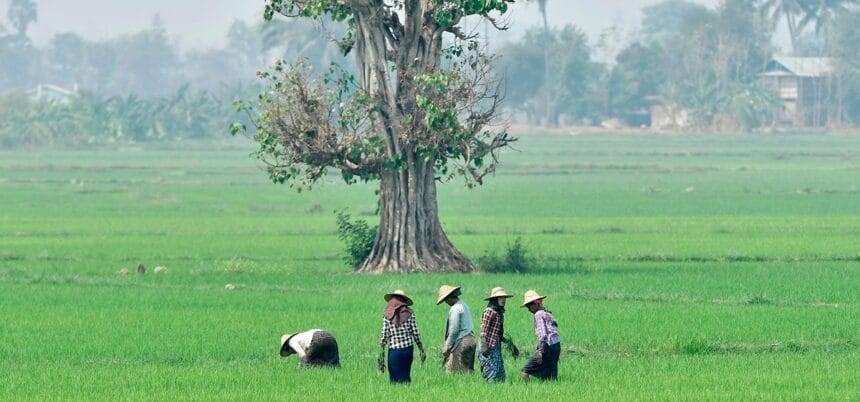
[{"x": 546, "y": 329}]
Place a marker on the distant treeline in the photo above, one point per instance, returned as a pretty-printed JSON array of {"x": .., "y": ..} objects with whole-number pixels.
[
  {"x": 136, "y": 87},
  {"x": 703, "y": 60},
  {"x": 89, "y": 118},
  {"x": 146, "y": 63},
  {"x": 140, "y": 87}
]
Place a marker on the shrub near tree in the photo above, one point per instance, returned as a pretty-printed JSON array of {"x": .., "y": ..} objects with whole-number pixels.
[{"x": 406, "y": 119}]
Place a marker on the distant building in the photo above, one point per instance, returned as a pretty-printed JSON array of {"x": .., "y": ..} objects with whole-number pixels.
[
  {"x": 802, "y": 85},
  {"x": 667, "y": 115},
  {"x": 54, "y": 93}
]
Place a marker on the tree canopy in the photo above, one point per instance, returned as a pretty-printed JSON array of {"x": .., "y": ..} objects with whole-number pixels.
[{"x": 416, "y": 111}]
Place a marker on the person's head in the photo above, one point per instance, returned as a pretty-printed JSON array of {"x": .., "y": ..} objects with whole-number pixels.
[
  {"x": 453, "y": 298},
  {"x": 286, "y": 349},
  {"x": 398, "y": 296},
  {"x": 533, "y": 301},
  {"x": 498, "y": 298},
  {"x": 448, "y": 294},
  {"x": 535, "y": 306}
]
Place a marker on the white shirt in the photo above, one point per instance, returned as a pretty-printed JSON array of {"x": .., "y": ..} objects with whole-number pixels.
[
  {"x": 459, "y": 323},
  {"x": 302, "y": 341}
]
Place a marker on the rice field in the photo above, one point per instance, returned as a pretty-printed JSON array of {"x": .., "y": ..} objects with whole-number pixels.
[{"x": 678, "y": 267}]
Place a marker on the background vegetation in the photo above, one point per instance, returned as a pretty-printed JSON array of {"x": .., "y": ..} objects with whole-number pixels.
[
  {"x": 141, "y": 87},
  {"x": 702, "y": 59}
]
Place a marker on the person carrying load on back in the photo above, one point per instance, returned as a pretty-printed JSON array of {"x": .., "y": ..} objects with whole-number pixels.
[
  {"x": 493, "y": 335},
  {"x": 399, "y": 334},
  {"x": 458, "y": 351},
  {"x": 315, "y": 348},
  {"x": 544, "y": 363}
]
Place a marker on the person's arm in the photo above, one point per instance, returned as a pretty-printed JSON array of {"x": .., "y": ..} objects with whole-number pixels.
[
  {"x": 416, "y": 338},
  {"x": 485, "y": 330},
  {"x": 386, "y": 333},
  {"x": 541, "y": 327},
  {"x": 541, "y": 333},
  {"x": 490, "y": 336},
  {"x": 512, "y": 347},
  {"x": 453, "y": 328},
  {"x": 301, "y": 342},
  {"x": 383, "y": 342}
]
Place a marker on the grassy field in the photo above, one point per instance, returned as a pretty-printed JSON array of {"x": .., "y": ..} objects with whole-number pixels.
[{"x": 718, "y": 268}]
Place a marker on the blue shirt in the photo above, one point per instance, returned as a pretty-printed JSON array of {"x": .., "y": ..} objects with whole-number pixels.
[{"x": 459, "y": 324}]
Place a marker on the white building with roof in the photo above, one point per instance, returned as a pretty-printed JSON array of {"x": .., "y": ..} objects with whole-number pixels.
[
  {"x": 803, "y": 85},
  {"x": 52, "y": 93}
]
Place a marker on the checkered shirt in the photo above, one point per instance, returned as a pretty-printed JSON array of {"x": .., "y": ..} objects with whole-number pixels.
[
  {"x": 491, "y": 329},
  {"x": 546, "y": 329},
  {"x": 400, "y": 337}
]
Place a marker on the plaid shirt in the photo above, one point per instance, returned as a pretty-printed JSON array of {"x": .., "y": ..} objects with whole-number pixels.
[
  {"x": 546, "y": 329},
  {"x": 400, "y": 337},
  {"x": 492, "y": 326}
]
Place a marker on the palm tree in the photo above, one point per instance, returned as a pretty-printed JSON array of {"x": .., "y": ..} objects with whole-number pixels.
[
  {"x": 822, "y": 13},
  {"x": 546, "y": 70},
  {"x": 21, "y": 14},
  {"x": 295, "y": 40},
  {"x": 790, "y": 10}
]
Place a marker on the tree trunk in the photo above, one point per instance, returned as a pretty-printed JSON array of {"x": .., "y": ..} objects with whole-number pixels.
[
  {"x": 792, "y": 34},
  {"x": 410, "y": 236},
  {"x": 547, "y": 99}
]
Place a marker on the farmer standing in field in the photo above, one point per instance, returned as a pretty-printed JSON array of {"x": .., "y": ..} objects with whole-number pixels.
[
  {"x": 544, "y": 363},
  {"x": 315, "y": 348},
  {"x": 399, "y": 333},
  {"x": 458, "y": 351},
  {"x": 492, "y": 336}
]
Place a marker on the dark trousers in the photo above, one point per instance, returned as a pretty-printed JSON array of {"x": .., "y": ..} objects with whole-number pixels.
[
  {"x": 547, "y": 369},
  {"x": 400, "y": 365}
]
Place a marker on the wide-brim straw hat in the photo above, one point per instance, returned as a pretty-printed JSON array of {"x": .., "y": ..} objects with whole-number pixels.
[
  {"x": 498, "y": 292},
  {"x": 286, "y": 350},
  {"x": 446, "y": 291},
  {"x": 531, "y": 296},
  {"x": 400, "y": 293}
]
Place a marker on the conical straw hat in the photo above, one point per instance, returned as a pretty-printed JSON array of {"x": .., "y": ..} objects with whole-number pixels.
[
  {"x": 445, "y": 291},
  {"x": 286, "y": 350},
  {"x": 498, "y": 292},
  {"x": 531, "y": 296},
  {"x": 400, "y": 293}
]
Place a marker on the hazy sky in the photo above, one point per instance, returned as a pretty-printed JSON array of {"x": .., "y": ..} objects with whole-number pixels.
[{"x": 204, "y": 23}]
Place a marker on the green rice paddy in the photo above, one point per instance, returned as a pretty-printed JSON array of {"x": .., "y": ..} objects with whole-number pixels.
[{"x": 678, "y": 267}]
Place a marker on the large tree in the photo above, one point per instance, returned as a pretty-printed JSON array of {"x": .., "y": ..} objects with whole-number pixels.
[
  {"x": 670, "y": 18},
  {"x": 547, "y": 99},
  {"x": 21, "y": 14},
  {"x": 822, "y": 13},
  {"x": 846, "y": 51},
  {"x": 416, "y": 114},
  {"x": 639, "y": 72},
  {"x": 574, "y": 75}
]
